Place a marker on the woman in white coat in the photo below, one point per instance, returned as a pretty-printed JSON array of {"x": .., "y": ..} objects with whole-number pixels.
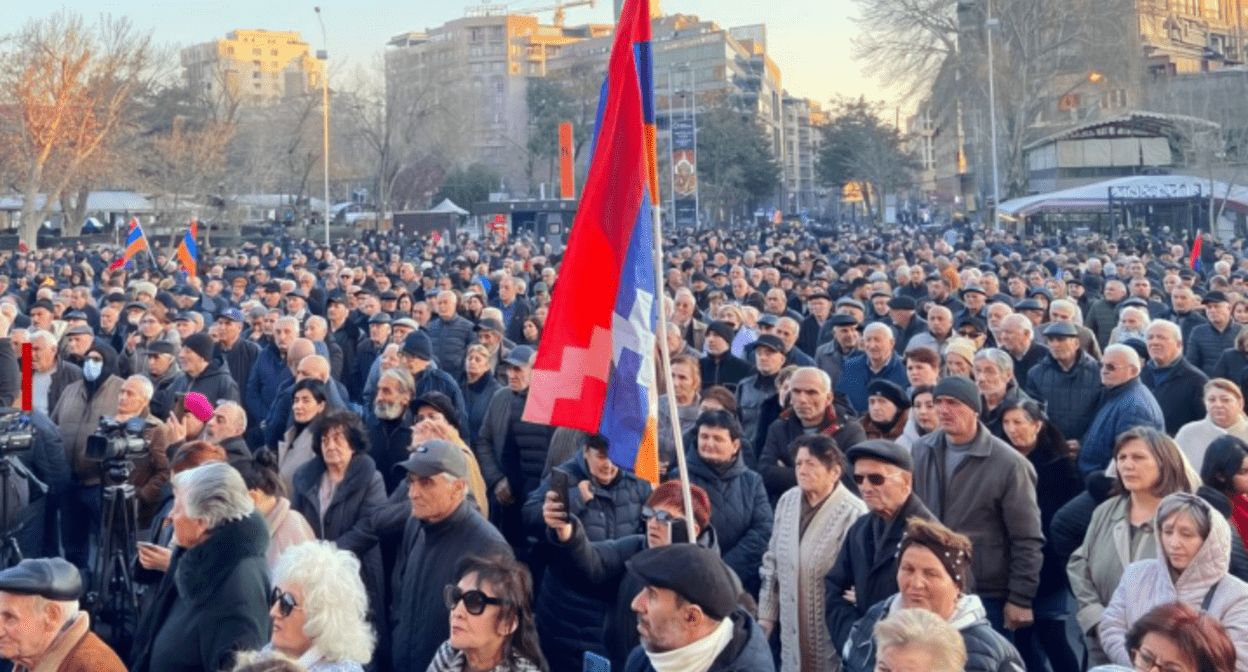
[
  {"x": 1193, "y": 556},
  {"x": 810, "y": 526}
]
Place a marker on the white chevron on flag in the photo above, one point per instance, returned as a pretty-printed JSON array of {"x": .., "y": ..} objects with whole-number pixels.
[{"x": 576, "y": 364}]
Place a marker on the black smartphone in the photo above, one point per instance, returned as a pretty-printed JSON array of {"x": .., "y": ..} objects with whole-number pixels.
[
  {"x": 678, "y": 532},
  {"x": 559, "y": 484},
  {"x": 179, "y": 405}
]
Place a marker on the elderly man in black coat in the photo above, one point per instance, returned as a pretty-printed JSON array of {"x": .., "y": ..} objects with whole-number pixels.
[
  {"x": 443, "y": 529},
  {"x": 866, "y": 568},
  {"x": 1176, "y": 384}
]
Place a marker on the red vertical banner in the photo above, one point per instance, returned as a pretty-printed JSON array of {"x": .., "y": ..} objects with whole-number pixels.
[
  {"x": 567, "y": 176},
  {"x": 28, "y": 374}
]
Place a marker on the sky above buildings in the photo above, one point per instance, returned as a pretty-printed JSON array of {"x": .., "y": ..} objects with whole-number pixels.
[{"x": 809, "y": 39}]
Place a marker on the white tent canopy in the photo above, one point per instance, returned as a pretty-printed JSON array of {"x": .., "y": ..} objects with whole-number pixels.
[
  {"x": 1095, "y": 197},
  {"x": 448, "y": 206}
]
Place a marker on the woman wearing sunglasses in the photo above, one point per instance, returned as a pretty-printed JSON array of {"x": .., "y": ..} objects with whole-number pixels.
[
  {"x": 492, "y": 626},
  {"x": 810, "y": 525},
  {"x": 319, "y": 609}
]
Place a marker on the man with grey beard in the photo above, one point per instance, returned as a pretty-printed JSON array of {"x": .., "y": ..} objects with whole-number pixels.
[{"x": 390, "y": 423}]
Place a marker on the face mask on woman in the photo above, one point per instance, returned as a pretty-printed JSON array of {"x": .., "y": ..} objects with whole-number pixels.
[{"x": 92, "y": 368}]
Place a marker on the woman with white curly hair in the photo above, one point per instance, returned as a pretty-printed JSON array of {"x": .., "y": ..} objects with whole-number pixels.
[{"x": 320, "y": 609}]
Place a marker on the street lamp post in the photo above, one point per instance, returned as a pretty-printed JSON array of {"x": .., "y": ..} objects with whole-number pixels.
[
  {"x": 992, "y": 116},
  {"x": 323, "y": 56}
]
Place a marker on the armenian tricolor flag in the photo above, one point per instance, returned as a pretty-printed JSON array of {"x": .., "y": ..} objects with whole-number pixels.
[
  {"x": 136, "y": 242},
  {"x": 188, "y": 250}
]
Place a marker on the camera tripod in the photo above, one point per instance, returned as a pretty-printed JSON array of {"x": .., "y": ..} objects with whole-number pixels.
[{"x": 113, "y": 601}]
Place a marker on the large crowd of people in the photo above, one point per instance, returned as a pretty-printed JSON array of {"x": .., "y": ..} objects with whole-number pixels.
[{"x": 908, "y": 451}]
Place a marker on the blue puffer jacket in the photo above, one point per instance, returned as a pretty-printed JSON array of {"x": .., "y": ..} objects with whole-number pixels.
[
  {"x": 740, "y": 513},
  {"x": 570, "y": 609},
  {"x": 1070, "y": 396},
  {"x": 986, "y": 649},
  {"x": 451, "y": 339}
]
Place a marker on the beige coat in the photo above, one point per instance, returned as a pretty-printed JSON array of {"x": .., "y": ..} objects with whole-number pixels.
[
  {"x": 294, "y": 452},
  {"x": 792, "y": 573},
  {"x": 286, "y": 528},
  {"x": 1194, "y": 438},
  {"x": 1096, "y": 567}
]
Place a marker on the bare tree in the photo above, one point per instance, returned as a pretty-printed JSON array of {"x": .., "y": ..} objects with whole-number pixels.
[{"x": 71, "y": 86}]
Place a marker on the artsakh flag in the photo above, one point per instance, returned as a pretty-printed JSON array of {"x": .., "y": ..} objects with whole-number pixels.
[
  {"x": 595, "y": 365},
  {"x": 1194, "y": 261},
  {"x": 136, "y": 242},
  {"x": 188, "y": 250}
]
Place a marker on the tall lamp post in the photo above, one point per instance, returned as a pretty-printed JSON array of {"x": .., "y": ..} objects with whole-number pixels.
[
  {"x": 991, "y": 23},
  {"x": 323, "y": 56}
]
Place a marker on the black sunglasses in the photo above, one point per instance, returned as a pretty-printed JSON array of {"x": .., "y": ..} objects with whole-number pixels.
[
  {"x": 659, "y": 515},
  {"x": 475, "y": 601},
  {"x": 875, "y": 479},
  {"x": 285, "y": 601}
]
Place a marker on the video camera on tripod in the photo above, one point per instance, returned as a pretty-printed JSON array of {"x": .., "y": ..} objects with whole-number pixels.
[{"x": 115, "y": 443}]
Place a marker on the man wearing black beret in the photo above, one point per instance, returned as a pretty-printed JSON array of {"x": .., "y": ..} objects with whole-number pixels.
[
  {"x": 41, "y": 627},
  {"x": 687, "y": 615}
]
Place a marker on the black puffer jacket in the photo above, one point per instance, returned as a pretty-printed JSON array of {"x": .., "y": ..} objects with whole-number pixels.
[
  {"x": 1206, "y": 344},
  {"x": 986, "y": 649},
  {"x": 740, "y": 513},
  {"x": 1071, "y": 397},
  {"x": 477, "y": 401},
  {"x": 347, "y": 521},
  {"x": 570, "y": 609},
  {"x": 213, "y": 603}
]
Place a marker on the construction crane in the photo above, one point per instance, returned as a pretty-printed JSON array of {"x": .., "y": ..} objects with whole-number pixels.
[{"x": 559, "y": 8}]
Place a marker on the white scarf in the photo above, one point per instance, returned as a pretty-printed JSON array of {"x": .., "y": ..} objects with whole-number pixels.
[{"x": 696, "y": 656}]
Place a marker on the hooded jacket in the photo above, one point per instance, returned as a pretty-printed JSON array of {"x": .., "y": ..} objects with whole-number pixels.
[
  {"x": 79, "y": 410},
  {"x": 1204, "y": 585},
  {"x": 986, "y": 649}
]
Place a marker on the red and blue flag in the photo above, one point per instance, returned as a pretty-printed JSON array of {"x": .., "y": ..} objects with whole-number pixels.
[
  {"x": 136, "y": 242},
  {"x": 1194, "y": 260},
  {"x": 188, "y": 250},
  {"x": 595, "y": 365}
]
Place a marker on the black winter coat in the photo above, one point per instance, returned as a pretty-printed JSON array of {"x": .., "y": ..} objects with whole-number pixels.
[
  {"x": 1057, "y": 482},
  {"x": 602, "y": 563},
  {"x": 570, "y": 610},
  {"x": 740, "y": 514},
  {"x": 775, "y": 462},
  {"x": 428, "y": 554},
  {"x": 212, "y": 603},
  {"x": 215, "y": 383},
  {"x": 1205, "y": 346},
  {"x": 868, "y": 565},
  {"x": 347, "y": 521},
  {"x": 1180, "y": 394},
  {"x": 451, "y": 339},
  {"x": 746, "y": 652},
  {"x": 727, "y": 370},
  {"x": 388, "y": 444}
]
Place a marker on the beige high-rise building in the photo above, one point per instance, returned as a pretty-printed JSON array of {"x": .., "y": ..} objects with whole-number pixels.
[{"x": 252, "y": 67}]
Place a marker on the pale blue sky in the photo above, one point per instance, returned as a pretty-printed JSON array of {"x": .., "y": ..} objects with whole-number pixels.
[{"x": 809, "y": 39}]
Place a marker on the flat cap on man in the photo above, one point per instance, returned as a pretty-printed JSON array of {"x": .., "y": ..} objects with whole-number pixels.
[
  {"x": 691, "y": 571},
  {"x": 50, "y": 578},
  {"x": 881, "y": 450},
  {"x": 1061, "y": 330}
]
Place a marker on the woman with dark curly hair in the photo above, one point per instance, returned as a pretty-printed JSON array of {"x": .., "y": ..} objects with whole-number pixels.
[
  {"x": 338, "y": 491},
  {"x": 492, "y": 624}
]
